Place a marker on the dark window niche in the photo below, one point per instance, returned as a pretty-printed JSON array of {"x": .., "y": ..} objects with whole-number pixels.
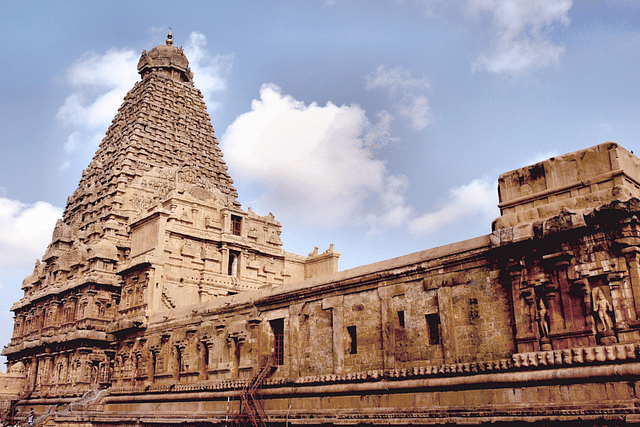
[{"x": 353, "y": 334}]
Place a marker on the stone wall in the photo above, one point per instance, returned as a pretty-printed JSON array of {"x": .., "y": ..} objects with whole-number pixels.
[
  {"x": 160, "y": 301},
  {"x": 448, "y": 335}
]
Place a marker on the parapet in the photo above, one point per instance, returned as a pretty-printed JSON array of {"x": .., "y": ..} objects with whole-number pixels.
[{"x": 578, "y": 181}]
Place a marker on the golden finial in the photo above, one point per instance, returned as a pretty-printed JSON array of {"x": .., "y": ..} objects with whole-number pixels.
[{"x": 169, "y": 38}]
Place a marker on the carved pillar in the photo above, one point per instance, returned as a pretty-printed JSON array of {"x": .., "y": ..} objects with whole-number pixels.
[
  {"x": 48, "y": 370},
  {"x": 194, "y": 216},
  {"x": 91, "y": 302},
  {"x": 19, "y": 325},
  {"x": 234, "y": 345},
  {"x": 153, "y": 360},
  {"x": 524, "y": 333},
  {"x": 632, "y": 256},
  {"x": 557, "y": 292},
  {"x": 335, "y": 304},
  {"x": 254, "y": 330},
  {"x": 55, "y": 313},
  {"x": 617, "y": 300},
  {"x": 226, "y": 226},
  {"x": 178, "y": 353},
  {"x": 204, "y": 359},
  {"x": 136, "y": 360},
  {"x": 107, "y": 367},
  {"x": 219, "y": 345},
  {"x": 46, "y": 315},
  {"x": 231, "y": 351},
  {"x": 297, "y": 342},
  {"x": 34, "y": 372},
  {"x": 224, "y": 264},
  {"x": 241, "y": 264},
  {"x": 584, "y": 288},
  {"x": 551, "y": 291},
  {"x": 388, "y": 333},
  {"x": 528, "y": 317}
]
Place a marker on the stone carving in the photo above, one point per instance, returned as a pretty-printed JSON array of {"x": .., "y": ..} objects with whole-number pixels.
[
  {"x": 542, "y": 317},
  {"x": 602, "y": 310}
]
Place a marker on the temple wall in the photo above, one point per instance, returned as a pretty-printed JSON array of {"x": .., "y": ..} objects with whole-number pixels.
[
  {"x": 161, "y": 302},
  {"x": 448, "y": 335}
]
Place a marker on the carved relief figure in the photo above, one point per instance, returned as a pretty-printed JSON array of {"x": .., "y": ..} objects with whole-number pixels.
[
  {"x": 602, "y": 309},
  {"x": 94, "y": 374},
  {"x": 234, "y": 267},
  {"x": 542, "y": 317}
]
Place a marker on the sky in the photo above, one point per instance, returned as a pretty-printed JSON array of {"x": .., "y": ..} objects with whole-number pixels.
[{"x": 378, "y": 126}]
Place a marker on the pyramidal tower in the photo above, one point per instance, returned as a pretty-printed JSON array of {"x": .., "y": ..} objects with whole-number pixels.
[{"x": 154, "y": 224}]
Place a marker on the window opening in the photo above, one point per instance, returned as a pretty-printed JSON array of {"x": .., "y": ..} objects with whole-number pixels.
[
  {"x": 233, "y": 264},
  {"x": 277, "y": 326},
  {"x": 433, "y": 328},
  {"x": 401, "y": 318},
  {"x": 236, "y": 225},
  {"x": 353, "y": 334}
]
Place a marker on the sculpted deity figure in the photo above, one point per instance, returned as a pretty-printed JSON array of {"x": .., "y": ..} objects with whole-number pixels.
[
  {"x": 543, "y": 319},
  {"x": 602, "y": 309}
]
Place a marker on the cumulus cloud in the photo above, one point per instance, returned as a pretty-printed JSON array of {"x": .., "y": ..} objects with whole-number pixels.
[
  {"x": 522, "y": 42},
  {"x": 26, "y": 232},
  {"x": 407, "y": 92},
  {"x": 210, "y": 73},
  {"x": 474, "y": 201},
  {"x": 315, "y": 162},
  {"x": 101, "y": 81}
]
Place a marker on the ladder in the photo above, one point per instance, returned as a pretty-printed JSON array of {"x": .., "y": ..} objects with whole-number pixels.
[{"x": 251, "y": 406}]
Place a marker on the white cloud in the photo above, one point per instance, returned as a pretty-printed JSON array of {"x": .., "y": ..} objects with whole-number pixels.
[
  {"x": 101, "y": 81},
  {"x": 395, "y": 212},
  {"x": 406, "y": 90},
  {"x": 26, "y": 232},
  {"x": 210, "y": 73},
  {"x": 377, "y": 135},
  {"x": 522, "y": 43},
  {"x": 416, "y": 109},
  {"x": 394, "y": 79},
  {"x": 474, "y": 201},
  {"x": 315, "y": 163}
]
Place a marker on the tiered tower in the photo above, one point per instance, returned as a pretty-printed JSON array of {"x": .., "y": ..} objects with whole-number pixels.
[{"x": 153, "y": 225}]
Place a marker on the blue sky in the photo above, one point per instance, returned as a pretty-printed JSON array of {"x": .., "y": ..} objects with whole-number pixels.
[{"x": 379, "y": 126}]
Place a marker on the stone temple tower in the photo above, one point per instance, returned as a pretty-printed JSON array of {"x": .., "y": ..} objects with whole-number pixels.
[{"x": 153, "y": 225}]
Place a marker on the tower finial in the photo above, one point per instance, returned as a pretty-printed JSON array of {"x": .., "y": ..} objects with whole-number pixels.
[{"x": 169, "y": 38}]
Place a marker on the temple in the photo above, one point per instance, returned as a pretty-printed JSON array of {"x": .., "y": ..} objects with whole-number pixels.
[{"x": 160, "y": 301}]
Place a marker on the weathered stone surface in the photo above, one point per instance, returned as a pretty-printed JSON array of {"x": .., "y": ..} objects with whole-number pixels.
[
  {"x": 161, "y": 302},
  {"x": 153, "y": 225},
  {"x": 556, "y": 193}
]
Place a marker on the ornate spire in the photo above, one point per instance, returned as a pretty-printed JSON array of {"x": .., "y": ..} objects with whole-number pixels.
[
  {"x": 166, "y": 59},
  {"x": 169, "y": 38}
]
